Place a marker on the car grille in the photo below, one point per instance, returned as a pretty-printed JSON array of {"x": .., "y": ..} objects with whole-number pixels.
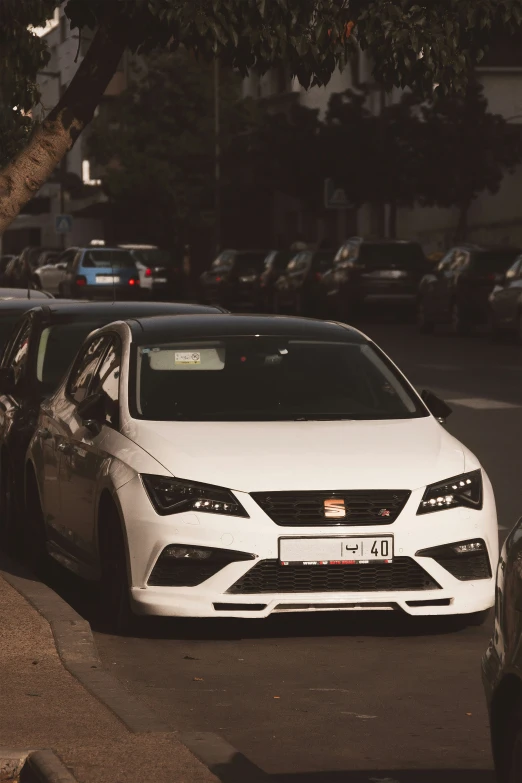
[
  {"x": 474, "y": 565},
  {"x": 269, "y": 576},
  {"x": 306, "y": 509}
]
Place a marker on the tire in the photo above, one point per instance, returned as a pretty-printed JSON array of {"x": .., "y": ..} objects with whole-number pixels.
[
  {"x": 424, "y": 325},
  {"x": 116, "y": 613},
  {"x": 61, "y": 291},
  {"x": 494, "y": 332},
  {"x": 33, "y": 533},
  {"x": 459, "y": 325}
]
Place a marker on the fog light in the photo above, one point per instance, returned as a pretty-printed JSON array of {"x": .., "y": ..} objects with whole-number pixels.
[
  {"x": 187, "y": 552},
  {"x": 471, "y": 546}
]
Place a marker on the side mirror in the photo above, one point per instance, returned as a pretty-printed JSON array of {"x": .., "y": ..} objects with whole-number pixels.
[
  {"x": 435, "y": 405},
  {"x": 7, "y": 380},
  {"x": 91, "y": 412}
]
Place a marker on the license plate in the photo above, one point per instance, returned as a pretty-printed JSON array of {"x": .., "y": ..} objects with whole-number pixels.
[
  {"x": 107, "y": 279},
  {"x": 160, "y": 279},
  {"x": 336, "y": 550}
]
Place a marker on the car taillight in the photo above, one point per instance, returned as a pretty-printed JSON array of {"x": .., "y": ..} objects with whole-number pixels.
[
  {"x": 134, "y": 281},
  {"x": 148, "y": 272},
  {"x": 318, "y": 277},
  {"x": 80, "y": 280},
  {"x": 219, "y": 279}
]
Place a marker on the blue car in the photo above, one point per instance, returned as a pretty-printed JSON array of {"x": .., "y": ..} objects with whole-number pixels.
[{"x": 99, "y": 273}]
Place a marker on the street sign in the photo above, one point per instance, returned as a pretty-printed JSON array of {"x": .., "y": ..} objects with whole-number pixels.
[
  {"x": 334, "y": 197},
  {"x": 63, "y": 224}
]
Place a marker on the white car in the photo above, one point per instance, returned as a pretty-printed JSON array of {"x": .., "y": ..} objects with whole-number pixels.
[{"x": 239, "y": 466}]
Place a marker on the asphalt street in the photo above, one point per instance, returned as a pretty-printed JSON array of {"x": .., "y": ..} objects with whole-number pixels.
[{"x": 352, "y": 697}]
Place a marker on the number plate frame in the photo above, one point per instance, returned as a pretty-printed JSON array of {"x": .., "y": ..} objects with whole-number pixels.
[
  {"x": 107, "y": 279},
  {"x": 334, "y": 544}
]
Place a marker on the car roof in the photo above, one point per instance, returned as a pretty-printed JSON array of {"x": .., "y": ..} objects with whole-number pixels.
[
  {"x": 59, "y": 310},
  {"x": 20, "y": 295},
  {"x": 165, "y": 328}
]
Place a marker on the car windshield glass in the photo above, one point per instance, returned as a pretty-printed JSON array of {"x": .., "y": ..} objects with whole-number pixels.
[
  {"x": 267, "y": 378},
  {"x": 494, "y": 261},
  {"x": 249, "y": 263},
  {"x": 407, "y": 256},
  {"x": 57, "y": 349},
  {"x": 155, "y": 257},
  {"x": 322, "y": 261},
  {"x": 117, "y": 259}
]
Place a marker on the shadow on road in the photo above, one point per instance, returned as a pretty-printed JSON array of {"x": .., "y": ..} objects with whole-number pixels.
[{"x": 391, "y": 776}]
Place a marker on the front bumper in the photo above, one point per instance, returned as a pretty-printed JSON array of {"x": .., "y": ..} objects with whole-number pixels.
[{"x": 148, "y": 534}]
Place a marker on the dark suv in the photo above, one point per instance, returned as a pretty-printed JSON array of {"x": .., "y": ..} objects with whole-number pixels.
[
  {"x": 456, "y": 292},
  {"x": 372, "y": 271},
  {"x": 233, "y": 279}
]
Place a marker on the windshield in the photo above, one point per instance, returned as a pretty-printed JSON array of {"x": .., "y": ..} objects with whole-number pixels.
[
  {"x": 407, "y": 256},
  {"x": 260, "y": 379},
  {"x": 117, "y": 259},
  {"x": 249, "y": 263},
  {"x": 57, "y": 349},
  {"x": 155, "y": 257},
  {"x": 494, "y": 260}
]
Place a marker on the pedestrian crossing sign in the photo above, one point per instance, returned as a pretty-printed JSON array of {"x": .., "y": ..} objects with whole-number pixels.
[{"x": 63, "y": 224}]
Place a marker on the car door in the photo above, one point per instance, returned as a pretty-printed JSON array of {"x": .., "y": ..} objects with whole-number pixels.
[
  {"x": 57, "y": 421},
  {"x": 507, "y": 295},
  {"x": 54, "y": 273},
  {"x": 84, "y": 456}
]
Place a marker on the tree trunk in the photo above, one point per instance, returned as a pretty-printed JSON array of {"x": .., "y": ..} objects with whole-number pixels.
[
  {"x": 461, "y": 234},
  {"x": 23, "y": 177}
]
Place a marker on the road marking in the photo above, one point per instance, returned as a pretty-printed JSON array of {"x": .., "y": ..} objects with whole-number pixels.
[{"x": 483, "y": 404}]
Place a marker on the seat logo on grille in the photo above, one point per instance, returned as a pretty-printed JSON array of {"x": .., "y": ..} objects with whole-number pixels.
[{"x": 334, "y": 508}]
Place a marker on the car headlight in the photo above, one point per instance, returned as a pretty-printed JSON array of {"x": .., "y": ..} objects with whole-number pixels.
[
  {"x": 173, "y": 496},
  {"x": 464, "y": 490}
]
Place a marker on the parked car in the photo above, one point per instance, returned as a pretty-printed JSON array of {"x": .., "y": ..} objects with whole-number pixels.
[
  {"x": 161, "y": 274},
  {"x": 275, "y": 264},
  {"x": 233, "y": 279},
  {"x": 505, "y": 302},
  {"x": 456, "y": 292},
  {"x": 38, "y": 353},
  {"x": 100, "y": 273},
  {"x": 372, "y": 271},
  {"x": 502, "y": 663},
  {"x": 20, "y": 272},
  {"x": 14, "y": 302},
  {"x": 282, "y": 432},
  {"x": 52, "y": 271},
  {"x": 4, "y": 263},
  {"x": 297, "y": 289}
]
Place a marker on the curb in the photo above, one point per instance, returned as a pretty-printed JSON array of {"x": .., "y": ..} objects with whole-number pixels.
[
  {"x": 35, "y": 766},
  {"x": 77, "y": 650}
]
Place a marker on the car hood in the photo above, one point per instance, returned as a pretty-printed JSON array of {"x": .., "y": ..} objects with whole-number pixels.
[{"x": 319, "y": 455}]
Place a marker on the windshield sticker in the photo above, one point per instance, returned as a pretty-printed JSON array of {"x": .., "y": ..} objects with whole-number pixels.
[{"x": 187, "y": 357}]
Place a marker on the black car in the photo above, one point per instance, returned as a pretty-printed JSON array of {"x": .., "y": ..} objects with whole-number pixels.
[
  {"x": 233, "y": 279},
  {"x": 13, "y": 304},
  {"x": 456, "y": 292},
  {"x": 275, "y": 264},
  {"x": 505, "y": 303},
  {"x": 19, "y": 273},
  {"x": 502, "y": 663},
  {"x": 161, "y": 272},
  {"x": 297, "y": 289},
  {"x": 39, "y": 351},
  {"x": 4, "y": 263},
  {"x": 372, "y": 271}
]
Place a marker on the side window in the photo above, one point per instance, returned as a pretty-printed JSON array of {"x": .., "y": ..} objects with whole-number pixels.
[
  {"x": 107, "y": 382},
  {"x": 85, "y": 368},
  {"x": 20, "y": 350},
  {"x": 304, "y": 262}
]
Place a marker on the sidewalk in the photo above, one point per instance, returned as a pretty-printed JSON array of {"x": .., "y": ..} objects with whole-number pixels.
[{"x": 43, "y": 706}]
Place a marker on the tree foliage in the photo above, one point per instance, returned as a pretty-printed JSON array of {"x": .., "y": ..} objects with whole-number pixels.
[
  {"x": 428, "y": 45},
  {"x": 157, "y": 144}
]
